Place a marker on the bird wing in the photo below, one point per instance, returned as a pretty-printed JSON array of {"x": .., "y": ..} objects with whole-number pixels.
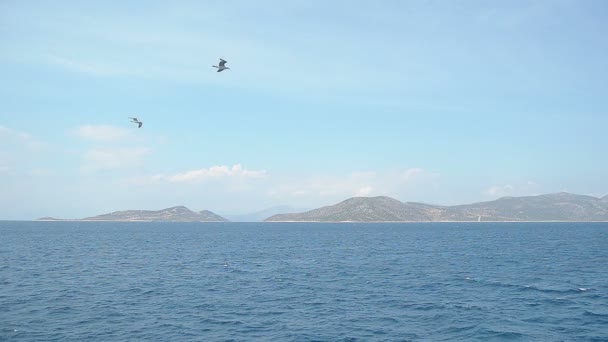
[
  {"x": 140, "y": 123},
  {"x": 222, "y": 62}
]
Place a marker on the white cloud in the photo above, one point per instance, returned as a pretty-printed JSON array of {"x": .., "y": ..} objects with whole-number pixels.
[
  {"x": 365, "y": 191},
  {"x": 177, "y": 54},
  {"x": 20, "y": 151},
  {"x": 113, "y": 158},
  {"x": 236, "y": 187},
  {"x": 87, "y": 67},
  {"x": 396, "y": 183},
  {"x": 40, "y": 172},
  {"x": 113, "y": 148},
  {"x": 213, "y": 172},
  {"x": 519, "y": 189},
  {"x": 102, "y": 133},
  {"x": 412, "y": 173},
  {"x": 21, "y": 138},
  {"x": 500, "y": 190}
]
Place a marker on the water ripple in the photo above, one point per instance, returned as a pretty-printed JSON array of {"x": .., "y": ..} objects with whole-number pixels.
[{"x": 302, "y": 282}]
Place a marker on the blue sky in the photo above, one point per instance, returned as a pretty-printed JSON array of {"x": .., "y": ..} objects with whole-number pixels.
[{"x": 433, "y": 101}]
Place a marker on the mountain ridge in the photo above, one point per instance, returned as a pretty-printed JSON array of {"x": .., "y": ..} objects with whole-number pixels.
[
  {"x": 172, "y": 214},
  {"x": 560, "y": 206},
  {"x": 260, "y": 215}
]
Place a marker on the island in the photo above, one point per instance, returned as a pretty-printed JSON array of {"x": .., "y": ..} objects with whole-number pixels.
[
  {"x": 559, "y": 207},
  {"x": 173, "y": 214}
]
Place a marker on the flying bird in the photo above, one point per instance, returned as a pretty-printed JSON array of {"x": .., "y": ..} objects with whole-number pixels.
[
  {"x": 139, "y": 123},
  {"x": 222, "y": 66}
]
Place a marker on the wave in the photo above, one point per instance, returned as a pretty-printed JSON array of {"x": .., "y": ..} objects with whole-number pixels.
[{"x": 522, "y": 287}]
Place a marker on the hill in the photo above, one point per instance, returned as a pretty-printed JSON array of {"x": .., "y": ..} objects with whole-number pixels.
[
  {"x": 551, "y": 207},
  {"x": 173, "y": 214},
  {"x": 366, "y": 209},
  {"x": 262, "y": 214}
]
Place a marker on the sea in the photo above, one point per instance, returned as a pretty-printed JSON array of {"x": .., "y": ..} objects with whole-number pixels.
[{"x": 146, "y": 281}]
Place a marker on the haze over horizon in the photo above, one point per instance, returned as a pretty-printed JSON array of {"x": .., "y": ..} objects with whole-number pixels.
[{"x": 435, "y": 102}]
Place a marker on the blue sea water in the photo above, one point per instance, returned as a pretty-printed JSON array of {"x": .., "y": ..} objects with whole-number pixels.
[{"x": 78, "y": 281}]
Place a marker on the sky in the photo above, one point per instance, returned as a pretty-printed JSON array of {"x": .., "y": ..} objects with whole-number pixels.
[{"x": 443, "y": 102}]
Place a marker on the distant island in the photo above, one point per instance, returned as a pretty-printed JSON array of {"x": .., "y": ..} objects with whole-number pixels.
[
  {"x": 557, "y": 207},
  {"x": 173, "y": 214},
  {"x": 551, "y": 207},
  {"x": 261, "y": 215}
]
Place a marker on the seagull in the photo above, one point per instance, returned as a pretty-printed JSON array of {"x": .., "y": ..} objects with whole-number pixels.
[
  {"x": 139, "y": 123},
  {"x": 222, "y": 66}
]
